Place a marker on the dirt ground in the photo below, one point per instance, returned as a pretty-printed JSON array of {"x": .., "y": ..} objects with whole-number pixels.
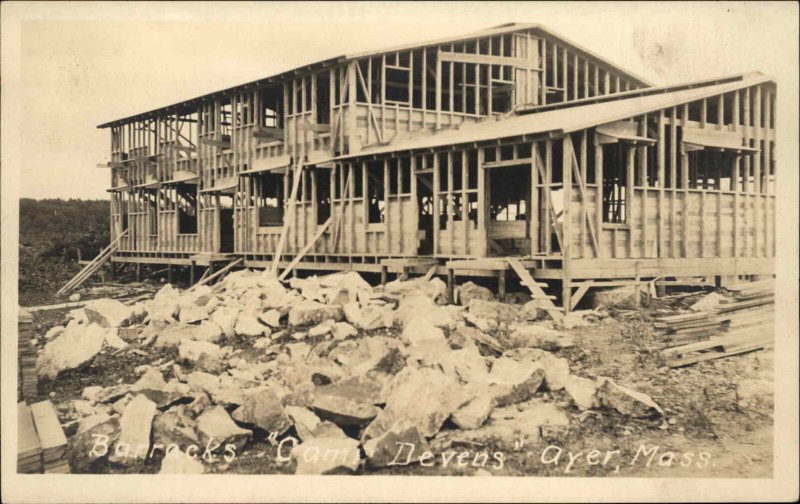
[{"x": 718, "y": 414}]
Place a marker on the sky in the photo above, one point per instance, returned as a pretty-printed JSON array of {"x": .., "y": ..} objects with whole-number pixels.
[{"x": 82, "y": 65}]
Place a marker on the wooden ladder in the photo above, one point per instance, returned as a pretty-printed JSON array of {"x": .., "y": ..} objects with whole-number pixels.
[
  {"x": 94, "y": 265},
  {"x": 536, "y": 289}
]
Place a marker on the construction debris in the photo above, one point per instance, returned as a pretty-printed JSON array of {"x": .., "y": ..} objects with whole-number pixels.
[
  {"x": 256, "y": 359},
  {"x": 734, "y": 326}
]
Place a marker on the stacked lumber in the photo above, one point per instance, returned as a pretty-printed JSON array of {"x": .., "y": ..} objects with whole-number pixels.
[
  {"x": 42, "y": 445},
  {"x": 26, "y": 355},
  {"x": 29, "y": 449},
  {"x": 742, "y": 324},
  {"x": 686, "y": 328},
  {"x": 51, "y": 436}
]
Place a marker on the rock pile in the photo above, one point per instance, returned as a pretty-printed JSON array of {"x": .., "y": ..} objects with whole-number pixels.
[{"x": 348, "y": 373}]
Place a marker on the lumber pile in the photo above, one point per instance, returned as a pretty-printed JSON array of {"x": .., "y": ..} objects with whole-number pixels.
[
  {"x": 26, "y": 354},
  {"x": 742, "y": 324},
  {"x": 42, "y": 444},
  {"x": 29, "y": 449}
]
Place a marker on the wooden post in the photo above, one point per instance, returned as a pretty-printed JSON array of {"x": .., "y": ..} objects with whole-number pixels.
[
  {"x": 138, "y": 272},
  {"x": 384, "y": 272},
  {"x": 566, "y": 233},
  {"x": 192, "y": 272},
  {"x": 451, "y": 280},
  {"x": 169, "y": 273},
  {"x": 501, "y": 284}
]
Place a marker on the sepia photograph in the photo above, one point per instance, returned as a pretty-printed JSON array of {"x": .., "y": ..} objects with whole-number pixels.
[{"x": 398, "y": 251}]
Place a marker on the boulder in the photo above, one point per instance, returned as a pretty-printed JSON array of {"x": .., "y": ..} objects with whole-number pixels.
[
  {"x": 172, "y": 335},
  {"x": 513, "y": 381},
  {"x": 474, "y": 413},
  {"x": 135, "y": 426},
  {"x": 534, "y": 420},
  {"x": 423, "y": 338},
  {"x": 271, "y": 318},
  {"x": 75, "y": 297},
  {"x": 165, "y": 304},
  {"x": 343, "y": 330},
  {"x": 308, "y": 425},
  {"x": 248, "y": 325},
  {"x": 76, "y": 346},
  {"x": 191, "y": 350},
  {"x": 321, "y": 329},
  {"x": 93, "y": 441},
  {"x": 500, "y": 313},
  {"x": 572, "y": 320},
  {"x": 478, "y": 336},
  {"x": 312, "y": 312},
  {"x": 178, "y": 462},
  {"x": 352, "y": 312},
  {"x": 381, "y": 451},
  {"x": 91, "y": 392},
  {"x": 107, "y": 313},
  {"x": 114, "y": 341},
  {"x": 622, "y": 298},
  {"x": 416, "y": 305},
  {"x": 343, "y": 411},
  {"x": 174, "y": 427},
  {"x": 326, "y": 455},
  {"x": 582, "y": 391},
  {"x": 216, "y": 426},
  {"x": 533, "y": 310},
  {"x": 263, "y": 409},
  {"x": 53, "y": 332},
  {"x": 375, "y": 317},
  {"x": 192, "y": 313},
  {"x": 556, "y": 369},
  {"x": 424, "y": 396},
  {"x": 469, "y": 291},
  {"x": 538, "y": 336},
  {"x": 625, "y": 401},
  {"x": 225, "y": 317}
]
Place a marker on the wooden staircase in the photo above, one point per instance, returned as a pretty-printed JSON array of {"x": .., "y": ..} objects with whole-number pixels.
[
  {"x": 535, "y": 288},
  {"x": 93, "y": 266}
]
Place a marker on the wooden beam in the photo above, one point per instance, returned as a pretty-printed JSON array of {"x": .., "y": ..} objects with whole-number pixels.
[
  {"x": 485, "y": 59},
  {"x": 320, "y": 231}
]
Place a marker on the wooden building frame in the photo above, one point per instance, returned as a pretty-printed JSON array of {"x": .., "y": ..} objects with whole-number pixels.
[{"x": 453, "y": 155}]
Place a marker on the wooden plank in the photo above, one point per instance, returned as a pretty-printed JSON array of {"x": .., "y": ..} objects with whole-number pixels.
[
  {"x": 320, "y": 231},
  {"x": 289, "y": 216},
  {"x": 535, "y": 289},
  {"x": 217, "y": 274},
  {"x": 51, "y": 435},
  {"x": 485, "y": 59}
]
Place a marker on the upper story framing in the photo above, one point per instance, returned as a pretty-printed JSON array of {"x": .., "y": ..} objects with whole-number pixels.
[{"x": 342, "y": 105}]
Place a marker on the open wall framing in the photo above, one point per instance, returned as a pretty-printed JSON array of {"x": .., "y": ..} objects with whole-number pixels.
[{"x": 509, "y": 143}]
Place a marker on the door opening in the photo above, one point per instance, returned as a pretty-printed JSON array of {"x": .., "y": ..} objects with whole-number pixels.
[
  {"x": 425, "y": 213},
  {"x": 225, "y": 223},
  {"x": 509, "y": 191}
]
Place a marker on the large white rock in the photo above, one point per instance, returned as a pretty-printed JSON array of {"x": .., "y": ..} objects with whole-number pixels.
[
  {"x": 424, "y": 396},
  {"x": 165, "y": 304},
  {"x": 178, "y": 462},
  {"x": 192, "y": 350},
  {"x": 216, "y": 426},
  {"x": 271, "y": 317},
  {"x": 625, "y": 400},
  {"x": 225, "y": 317},
  {"x": 583, "y": 392},
  {"x": 76, "y": 346},
  {"x": 135, "y": 426},
  {"x": 191, "y": 313},
  {"x": 107, "y": 313},
  {"x": 474, "y": 413},
  {"x": 312, "y": 312},
  {"x": 248, "y": 325},
  {"x": 539, "y": 336},
  {"x": 324, "y": 455}
]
